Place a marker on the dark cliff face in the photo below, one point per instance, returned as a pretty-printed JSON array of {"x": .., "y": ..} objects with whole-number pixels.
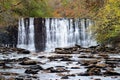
[
  {"x": 39, "y": 24},
  {"x": 8, "y": 36}
]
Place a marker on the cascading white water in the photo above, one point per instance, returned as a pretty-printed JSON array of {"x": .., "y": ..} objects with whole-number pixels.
[
  {"x": 67, "y": 32},
  {"x": 57, "y": 33},
  {"x": 26, "y": 34},
  {"x": 60, "y": 32}
]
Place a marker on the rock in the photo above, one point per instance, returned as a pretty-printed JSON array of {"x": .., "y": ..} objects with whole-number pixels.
[
  {"x": 93, "y": 47},
  {"x": 75, "y": 67},
  {"x": 86, "y": 56},
  {"x": 41, "y": 57},
  {"x": 104, "y": 55},
  {"x": 87, "y": 50},
  {"x": 24, "y": 59},
  {"x": 25, "y": 52},
  {"x": 32, "y": 71},
  {"x": 28, "y": 62},
  {"x": 101, "y": 65},
  {"x": 6, "y": 66},
  {"x": 75, "y": 52},
  {"x": 97, "y": 79},
  {"x": 63, "y": 51},
  {"x": 2, "y": 78},
  {"x": 65, "y": 77},
  {"x": 88, "y": 62},
  {"x": 2, "y": 63},
  {"x": 111, "y": 73},
  {"x": 19, "y": 78},
  {"x": 94, "y": 71},
  {"x": 50, "y": 68},
  {"x": 26, "y": 77},
  {"x": 83, "y": 74},
  {"x": 36, "y": 67},
  {"x": 57, "y": 70},
  {"x": 76, "y": 45},
  {"x": 66, "y": 59}
]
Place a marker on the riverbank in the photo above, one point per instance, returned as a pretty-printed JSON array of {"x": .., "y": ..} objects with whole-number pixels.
[{"x": 94, "y": 63}]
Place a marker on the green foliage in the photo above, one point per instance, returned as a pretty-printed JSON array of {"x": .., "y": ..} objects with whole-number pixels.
[
  {"x": 11, "y": 10},
  {"x": 107, "y": 26}
]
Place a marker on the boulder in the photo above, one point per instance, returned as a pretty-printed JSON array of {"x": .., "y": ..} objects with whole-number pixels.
[
  {"x": 28, "y": 62},
  {"x": 111, "y": 73},
  {"x": 36, "y": 67},
  {"x": 94, "y": 71},
  {"x": 88, "y": 62},
  {"x": 65, "y": 77},
  {"x": 32, "y": 71}
]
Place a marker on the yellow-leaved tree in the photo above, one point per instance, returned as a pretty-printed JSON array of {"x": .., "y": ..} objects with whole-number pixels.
[{"x": 107, "y": 25}]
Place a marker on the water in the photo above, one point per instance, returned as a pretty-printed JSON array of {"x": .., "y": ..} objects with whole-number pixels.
[
  {"x": 60, "y": 32},
  {"x": 68, "y": 32},
  {"x": 26, "y": 34}
]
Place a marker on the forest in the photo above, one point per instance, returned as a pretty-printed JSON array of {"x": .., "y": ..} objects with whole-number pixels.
[
  {"x": 105, "y": 13},
  {"x": 59, "y": 39}
]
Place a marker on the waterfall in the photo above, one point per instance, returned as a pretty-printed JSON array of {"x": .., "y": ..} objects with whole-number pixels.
[
  {"x": 67, "y": 32},
  {"x": 26, "y": 34},
  {"x": 58, "y": 32}
]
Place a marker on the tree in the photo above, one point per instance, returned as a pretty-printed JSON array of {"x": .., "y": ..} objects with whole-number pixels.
[
  {"x": 11, "y": 10},
  {"x": 107, "y": 25}
]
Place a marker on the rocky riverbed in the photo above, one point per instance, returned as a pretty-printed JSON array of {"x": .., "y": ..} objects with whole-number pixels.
[{"x": 73, "y": 63}]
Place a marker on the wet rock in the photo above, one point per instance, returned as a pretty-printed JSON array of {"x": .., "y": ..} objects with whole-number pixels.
[
  {"x": 87, "y": 50},
  {"x": 24, "y": 52},
  {"x": 66, "y": 59},
  {"x": 88, "y": 62},
  {"x": 111, "y": 73},
  {"x": 71, "y": 75},
  {"x": 2, "y": 78},
  {"x": 63, "y": 52},
  {"x": 75, "y": 52},
  {"x": 6, "y": 66},
  {"x": 8, "y": 73},
  {"x": 53, "y": 58},
  {"x": 24, "y": 59},
  {"x": 83, "y": 74},
  {"x": 101, "y": 65},
  {"x": 76, "y": 45},
  {"x": 26, "y": 77},
  {"x": 65, "y": 77},
  {"x": 93, "y": 47},
  {"x": 86, "y": 56},
  {"x": 36, "y": 67},
  {"x": 57, "y": 70},
  {"x": 41, "y": 57},
  {"x": 19, "y": 78},
  {"x": 32, "y": 71},
  {"x": 28, "y": 62},
  {"x": 104, "y": 55},
  {"x": 75, "y": 67},
  {"x": 94, "y": 71},
  {"x": 2, "y": 63},
  {"x": 50, "y": 68},
  {"x": 97, "y": 79},
  {"x": 112, "y": 62}
]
